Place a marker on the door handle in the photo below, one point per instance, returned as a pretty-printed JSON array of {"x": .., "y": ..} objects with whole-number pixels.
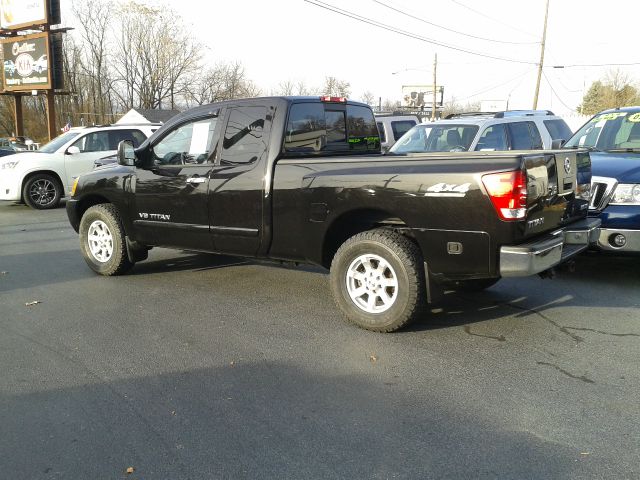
[{"x": 195, "y": 180}]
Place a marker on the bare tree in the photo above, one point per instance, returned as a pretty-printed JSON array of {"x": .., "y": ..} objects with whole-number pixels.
[
  {"x": 224, "y": 81},
  {"x": 335, "y": 87},
  {"x": 156, "y": 57},
  {"x": 368, "y": 98}
]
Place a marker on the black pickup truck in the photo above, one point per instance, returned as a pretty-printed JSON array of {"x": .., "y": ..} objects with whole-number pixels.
[{"x": 301, "y": 179}]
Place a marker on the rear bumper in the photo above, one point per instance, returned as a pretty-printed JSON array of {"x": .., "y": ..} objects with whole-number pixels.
[{"x": 547, "y": 252}]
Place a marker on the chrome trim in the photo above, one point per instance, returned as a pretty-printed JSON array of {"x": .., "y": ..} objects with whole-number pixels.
[
  {"x": 632, "y": 236},
  {"x": 194, "y": 180},
  {"x": 551, "y": 250},
  {"x": 602, "y": 189}
]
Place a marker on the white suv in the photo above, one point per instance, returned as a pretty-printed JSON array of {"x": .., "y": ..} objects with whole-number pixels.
[
  {"x": 510, "y": 130},
  {"x": 41, "y": 178}
]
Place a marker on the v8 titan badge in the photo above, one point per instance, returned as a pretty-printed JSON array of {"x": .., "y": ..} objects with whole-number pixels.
[
  {"x": 448, "y": 190},
  {"x": 567, "y": 165}
]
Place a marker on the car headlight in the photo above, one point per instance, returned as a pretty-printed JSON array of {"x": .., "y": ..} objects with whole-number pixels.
[
  {"x": 626, "y": 194},
  {"x": 9, "y": 164}
]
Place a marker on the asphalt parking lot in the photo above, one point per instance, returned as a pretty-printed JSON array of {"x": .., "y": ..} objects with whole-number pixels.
[{"x": 204, "y": 367}]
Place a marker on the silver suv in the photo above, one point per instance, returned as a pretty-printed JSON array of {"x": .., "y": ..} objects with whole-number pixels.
[{"x": 509, "y": 130}]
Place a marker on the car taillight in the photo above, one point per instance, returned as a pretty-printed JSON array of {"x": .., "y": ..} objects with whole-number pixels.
[
  {"x": 328, "y": 98},
  {"x": 508, "y": 193}
]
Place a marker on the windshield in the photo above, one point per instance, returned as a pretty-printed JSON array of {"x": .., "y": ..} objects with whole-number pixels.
[
  {"x": 609, "y": 131},
  {"x": 57, "y": 142},
  {"x": 436, "y": 138}
]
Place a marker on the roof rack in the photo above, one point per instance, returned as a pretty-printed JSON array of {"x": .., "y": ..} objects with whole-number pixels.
[
  {"x": 522, "y": 113},
  {"x": 469, "y": 114},
  {"x": 504, "y": 114}
]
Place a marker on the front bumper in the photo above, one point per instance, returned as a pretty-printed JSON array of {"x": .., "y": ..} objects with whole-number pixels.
[
  {"x": 10, "y": 186},
  {"x": 607, "y": 236},
  {"x": 72, "y": 213},
  {"x": 552, "y": 250}
]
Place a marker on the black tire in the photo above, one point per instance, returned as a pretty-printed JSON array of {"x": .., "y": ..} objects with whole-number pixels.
[
  {"x": 475, "y": 285},
  {"x": 108, "y": 256},
  {"x": 401, "y": 259},
  {"x": 42, "y": 191}
]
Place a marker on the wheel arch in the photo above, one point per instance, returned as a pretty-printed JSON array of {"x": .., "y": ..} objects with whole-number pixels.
[
  {"x": 353, "y": 222},
  {"x": 33, "y": 173}
]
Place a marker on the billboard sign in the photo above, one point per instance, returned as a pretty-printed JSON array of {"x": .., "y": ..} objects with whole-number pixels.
[
  {"x": 17, "y": 14},
  {"x": 421, "y": 96},
  {"x": 26, "y": 62}
]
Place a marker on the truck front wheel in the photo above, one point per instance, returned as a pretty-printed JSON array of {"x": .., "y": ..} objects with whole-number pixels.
[
  {"x": 102, "y": 240},
  {"x": 377, "y": 280}
]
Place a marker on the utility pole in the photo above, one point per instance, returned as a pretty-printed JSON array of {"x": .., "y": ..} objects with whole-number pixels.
[
  {"x": 433, "y": 105},
  {"x": 544, "y": 38}
]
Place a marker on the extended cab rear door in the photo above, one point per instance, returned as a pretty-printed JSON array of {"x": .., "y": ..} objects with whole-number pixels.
[{"x": 238, "y": 179}]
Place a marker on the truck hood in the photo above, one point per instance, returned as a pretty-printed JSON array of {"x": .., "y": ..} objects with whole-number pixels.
[{"x": 625, "y": 167}]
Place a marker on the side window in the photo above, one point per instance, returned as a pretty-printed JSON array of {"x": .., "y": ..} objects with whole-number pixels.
[
  {"x": 93, "y": 142},
  {"x": 400, "y": 127},
  {"x": 190, "y": 143},
  {"x": 243, "y": 139},
  {"x": 524, "y": 136},
  {"x": 558, "y": 129},
  {"x": 116, "y": 136},
  {"x": 493, "y": 138},
  {"x": 535, "y": 136},
  {"x": 383, "y": 136}
]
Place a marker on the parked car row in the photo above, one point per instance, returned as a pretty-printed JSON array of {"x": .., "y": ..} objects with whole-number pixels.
[{"x": 42, "y": 178}]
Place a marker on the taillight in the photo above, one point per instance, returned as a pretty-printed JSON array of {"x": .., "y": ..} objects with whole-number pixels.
[
  {"x": 328, "y": 98},
  {"x": 508, "y": 193}
]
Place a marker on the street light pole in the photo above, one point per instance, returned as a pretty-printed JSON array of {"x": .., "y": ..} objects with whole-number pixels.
[
  {"x": 544, "y": 38},
  {"x": 433, "y": 106}
]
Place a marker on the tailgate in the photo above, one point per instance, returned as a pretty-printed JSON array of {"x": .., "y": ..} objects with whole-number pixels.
[{"x": 558, "y": 185}]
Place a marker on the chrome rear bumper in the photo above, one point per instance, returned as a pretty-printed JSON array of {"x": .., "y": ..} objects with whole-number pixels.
[{"x": 547, "y": 252}]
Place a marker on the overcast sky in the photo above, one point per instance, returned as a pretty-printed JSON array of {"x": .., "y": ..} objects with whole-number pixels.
[{"x": 298, "y": 40}]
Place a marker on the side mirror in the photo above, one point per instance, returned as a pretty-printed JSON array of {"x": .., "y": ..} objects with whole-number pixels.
[
  {"x": 126, "y": 153},
  {"x": 73, "y": 150},
  {"x": 557, "y": 143}
]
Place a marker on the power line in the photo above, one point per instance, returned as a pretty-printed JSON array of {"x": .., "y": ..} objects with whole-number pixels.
[
  {"x": 492, "y": 19},
  {"x": 390, "y": 28},
  {"x": 594, "y": 65},
  {"x": 488, "y": 89},
  {"x": 450, "y": 29},
  {"x": 557, "y": 96}
]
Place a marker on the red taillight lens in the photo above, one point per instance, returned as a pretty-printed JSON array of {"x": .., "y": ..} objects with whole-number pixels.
[
  {"x": 328, "y": 98},
  {"x": 508, "y": 193}
]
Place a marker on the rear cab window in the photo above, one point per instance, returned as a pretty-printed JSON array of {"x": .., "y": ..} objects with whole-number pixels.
[{"x": 328, "y": 127}]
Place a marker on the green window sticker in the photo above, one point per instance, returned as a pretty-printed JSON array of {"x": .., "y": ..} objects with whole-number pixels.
[{"x": 635, "y": 118}]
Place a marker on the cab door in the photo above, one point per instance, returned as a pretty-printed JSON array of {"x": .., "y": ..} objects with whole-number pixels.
[
  {"x": 237, "y": 183},
  {"x": 170, "y": 192}
]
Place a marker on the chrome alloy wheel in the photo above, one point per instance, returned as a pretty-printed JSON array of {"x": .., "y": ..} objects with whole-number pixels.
[
  {"x": 100, "y": 241},
  {"x": 372, "y": 283},
  {"x": 42, "y": 192}
]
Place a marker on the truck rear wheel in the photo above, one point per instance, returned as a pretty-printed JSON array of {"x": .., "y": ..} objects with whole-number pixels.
[
  {"x": 377, "y": 280},
  {"x": 102, "y": 240}
]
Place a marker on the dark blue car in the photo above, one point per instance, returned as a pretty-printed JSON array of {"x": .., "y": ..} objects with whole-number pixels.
[{"x": 613, "y": 137}]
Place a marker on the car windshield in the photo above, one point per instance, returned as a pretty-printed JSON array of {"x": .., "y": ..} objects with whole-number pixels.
[
  {"x": 609, "y": 131},
  {"x": 435, "y": 138},
  {"x": 57, "y": 142}
]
